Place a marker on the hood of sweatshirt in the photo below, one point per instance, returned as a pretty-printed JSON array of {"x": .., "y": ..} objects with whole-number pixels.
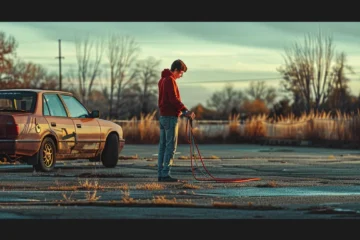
[{"x": 167, "y": 73}]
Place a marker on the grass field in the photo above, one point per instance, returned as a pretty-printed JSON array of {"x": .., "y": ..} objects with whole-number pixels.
[{"x": 311, "y": 127}]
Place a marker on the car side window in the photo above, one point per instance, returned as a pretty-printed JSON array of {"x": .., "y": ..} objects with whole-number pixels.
[
  {"x": 46, "y": 111},
  {"x": 56, "y": 108},
  {"x": 76, "y": 109}
]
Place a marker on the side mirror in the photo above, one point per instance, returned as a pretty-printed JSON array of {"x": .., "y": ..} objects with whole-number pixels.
[{"x": 95, "y": 114}]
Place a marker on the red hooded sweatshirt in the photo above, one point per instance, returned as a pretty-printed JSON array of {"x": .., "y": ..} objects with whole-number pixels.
[{"x": 169, "y": 100}]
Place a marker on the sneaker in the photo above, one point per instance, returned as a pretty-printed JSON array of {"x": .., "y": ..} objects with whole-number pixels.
[{"x": 167, "y": 179}]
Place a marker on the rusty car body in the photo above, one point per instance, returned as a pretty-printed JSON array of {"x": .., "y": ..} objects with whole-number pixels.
[{"x": 39, "y": 127}]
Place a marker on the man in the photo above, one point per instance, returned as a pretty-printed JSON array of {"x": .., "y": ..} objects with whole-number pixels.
[{"x": 171, "y": 108}]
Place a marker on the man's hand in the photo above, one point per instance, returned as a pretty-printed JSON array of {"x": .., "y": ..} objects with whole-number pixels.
[{"x": 190, "y": 114}]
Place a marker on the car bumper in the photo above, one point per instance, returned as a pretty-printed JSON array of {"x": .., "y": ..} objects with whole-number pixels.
[{"x": 13, "y": 147}]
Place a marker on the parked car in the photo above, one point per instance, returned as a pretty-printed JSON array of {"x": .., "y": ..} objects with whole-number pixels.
[{"x": 39, "y": 127}]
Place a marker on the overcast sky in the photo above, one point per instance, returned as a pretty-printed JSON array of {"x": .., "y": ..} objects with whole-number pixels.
[{"x": 215, "y": 52}]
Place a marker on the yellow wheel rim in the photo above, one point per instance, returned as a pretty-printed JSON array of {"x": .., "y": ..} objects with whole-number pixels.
[{"x": 48, "y": 155}]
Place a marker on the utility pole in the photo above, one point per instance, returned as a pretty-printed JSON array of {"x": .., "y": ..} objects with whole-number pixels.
[{"x": 60, "y": 57}]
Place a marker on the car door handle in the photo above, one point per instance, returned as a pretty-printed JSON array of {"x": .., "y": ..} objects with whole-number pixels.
[
  {"x": 78, "y": 125},
  {"x": 53, "y": 124}
]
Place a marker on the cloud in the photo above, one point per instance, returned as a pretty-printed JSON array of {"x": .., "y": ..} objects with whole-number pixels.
[
  {"x": 269, "y": 35},
  {"x": 66, "y": 30},
  {"x": 339, "y": 29},
  {"x": 345, "y": 34},
  {"x": 235, "y": 33},
  {"x": 21, "y": 32},
  {"x": 151, "y": 31}
]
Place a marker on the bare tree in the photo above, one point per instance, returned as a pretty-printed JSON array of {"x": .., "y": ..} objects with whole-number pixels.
[
  {"x": 71, "y": 78},
  {"x": 131, "y": 101},
  {"x": 338, "y": 94},
  {"x": 50, "y": 81},
  {"x": 88, "y": 66},
  {"x": 129, "y": 50},
  {"x": 121, "y": 54},
  {"x": 307, "y": 68},
  {"x": 258, "y": 90},
  {"x": 113, "y": 54},
  {"x": 225, "y": 100},
  {"x": 148, "y": 72}
]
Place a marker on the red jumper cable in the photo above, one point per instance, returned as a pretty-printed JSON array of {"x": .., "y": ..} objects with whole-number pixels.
[{"x": 191, "y": 141}]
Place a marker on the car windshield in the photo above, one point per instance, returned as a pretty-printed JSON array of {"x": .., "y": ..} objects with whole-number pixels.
[{"x": 17, "y": 101}]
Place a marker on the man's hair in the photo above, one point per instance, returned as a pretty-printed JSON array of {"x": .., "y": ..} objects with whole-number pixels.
[{"x": 178, "y": 65}]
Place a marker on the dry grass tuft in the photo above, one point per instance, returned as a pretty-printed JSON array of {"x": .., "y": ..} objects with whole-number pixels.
[
  {"x": 126, "y": 198},
  {"x": 150, "y": 186},
  {"x": 129, "y": 157},
  {"x": 88, "y": 185},
  {"x": 83, "y": 185},
  {"x": 92, "y": 196},
  {"x": 67, "y": 198},
  {"x": 163, "y": 200}
]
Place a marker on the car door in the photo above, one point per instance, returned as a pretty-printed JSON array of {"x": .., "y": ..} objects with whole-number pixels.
[
  {"x": 87, "y": 129},
  {"x": 60, "y": 124}
]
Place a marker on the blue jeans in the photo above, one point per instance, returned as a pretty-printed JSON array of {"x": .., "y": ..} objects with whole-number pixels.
[{"x": 167, "y": 144}]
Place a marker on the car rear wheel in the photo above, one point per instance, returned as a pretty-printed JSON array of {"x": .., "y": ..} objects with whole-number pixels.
[
  {"x": 110, "y": 154},
  {"x": 46, "y": 156}
]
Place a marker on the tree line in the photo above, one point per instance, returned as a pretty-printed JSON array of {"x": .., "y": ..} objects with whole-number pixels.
[{"x": 108, "y": 75}]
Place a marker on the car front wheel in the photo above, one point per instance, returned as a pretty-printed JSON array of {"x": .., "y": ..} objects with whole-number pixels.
[{"x": 110, "y": 154}]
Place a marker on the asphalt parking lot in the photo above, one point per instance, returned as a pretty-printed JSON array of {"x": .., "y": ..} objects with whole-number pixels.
[{"x": 293, "y": 183}]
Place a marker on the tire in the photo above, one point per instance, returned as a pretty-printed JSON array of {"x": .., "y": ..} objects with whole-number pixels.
[
  {"x": 46, "y": 157},
  {"x": 110, "y": 154}
]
